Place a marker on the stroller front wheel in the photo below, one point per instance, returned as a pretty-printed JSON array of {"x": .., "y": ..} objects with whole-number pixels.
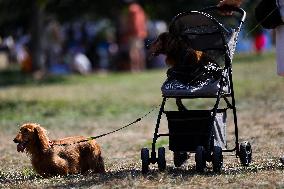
[
  {"x": 161, "y": 159},
  {"x": 200, "y": 159},
  {"x": 145, "y": 160},
  {"x": 217, "y": 159}
]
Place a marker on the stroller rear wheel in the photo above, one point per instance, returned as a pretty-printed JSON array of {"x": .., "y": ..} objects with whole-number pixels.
[
  {"x": 200, "y": 159},
  {"x": 217, "y": 159},
  {"x": 245, "y": 153},
  {"x": 161, "y": 159},
  {"x": 145, "y": 160},
  {"x": 180, "y": 158}
]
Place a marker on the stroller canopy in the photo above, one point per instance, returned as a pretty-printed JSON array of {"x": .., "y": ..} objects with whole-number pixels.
[{"x": 216, "y": 35}]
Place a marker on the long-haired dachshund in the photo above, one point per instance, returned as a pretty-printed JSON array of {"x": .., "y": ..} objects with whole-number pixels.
[
  {"x": 177, "y": 51},
  {"x": 58, "y": 157},
  {"x": 187, "y": 64}
]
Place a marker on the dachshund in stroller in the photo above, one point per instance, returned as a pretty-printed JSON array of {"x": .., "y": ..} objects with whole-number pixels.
[
  {"x": 186, "y": 64},
  {"x": 177, "y": 51}
]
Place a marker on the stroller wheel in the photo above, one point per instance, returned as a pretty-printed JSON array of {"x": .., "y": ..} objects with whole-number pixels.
[
  {"x": 200, "y": 159},
  {"x": 145, "y": 160},
  {"x": 161, "y": 159},
  {"x": 217, "y": 159},
  {"x": 245, "y": 153},
  {"x": 180, "y": 158}
]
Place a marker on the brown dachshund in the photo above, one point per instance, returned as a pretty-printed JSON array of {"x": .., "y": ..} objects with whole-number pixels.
[
  {"x": 177, "y": 51},
  {"x": 58, "y": 157}
]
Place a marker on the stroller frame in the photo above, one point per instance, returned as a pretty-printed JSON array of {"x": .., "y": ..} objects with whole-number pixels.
[{"x": 204, "y": 152}]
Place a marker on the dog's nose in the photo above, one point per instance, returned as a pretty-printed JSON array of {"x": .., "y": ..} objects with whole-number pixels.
[{"x": 16, "y": 140}]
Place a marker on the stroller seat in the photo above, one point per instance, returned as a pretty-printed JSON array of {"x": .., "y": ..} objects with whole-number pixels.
[
  {"x": 208, "y": 88},
  {"x": 205, "y": 83}
]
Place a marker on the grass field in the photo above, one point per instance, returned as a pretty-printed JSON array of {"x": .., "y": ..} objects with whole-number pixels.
[{"x": 95, "y": 104}]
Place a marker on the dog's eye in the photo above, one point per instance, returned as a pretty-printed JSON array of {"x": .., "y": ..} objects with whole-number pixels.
[{"x": 24, "y": 130}]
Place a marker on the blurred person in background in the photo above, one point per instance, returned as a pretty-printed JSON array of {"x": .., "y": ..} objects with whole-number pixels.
[
  {"x": 259, "y": 42},
  {"x": 53, "y": 42},
  {"x": 25, "y": 60},
  {"x": 137, "y": 32},
  {"x": 279, "y": 37}
]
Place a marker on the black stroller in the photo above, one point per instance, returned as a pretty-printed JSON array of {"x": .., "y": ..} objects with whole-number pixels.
[{"x": 202, "y": 132}]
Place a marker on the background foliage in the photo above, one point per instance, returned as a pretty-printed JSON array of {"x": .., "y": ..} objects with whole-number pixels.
[{"x": 22, "y": 13}]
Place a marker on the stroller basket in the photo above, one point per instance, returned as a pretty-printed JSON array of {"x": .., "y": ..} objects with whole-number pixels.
[{"x": 190, "y": 129}]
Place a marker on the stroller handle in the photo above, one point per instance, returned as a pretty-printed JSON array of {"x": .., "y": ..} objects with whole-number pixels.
[{"x": 226, "y": 8}]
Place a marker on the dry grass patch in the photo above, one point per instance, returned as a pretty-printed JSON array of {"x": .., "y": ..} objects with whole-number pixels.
[{"x": 94, "y": 105}]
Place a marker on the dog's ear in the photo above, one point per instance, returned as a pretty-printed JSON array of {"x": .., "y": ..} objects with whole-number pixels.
[
  {"x": 158, "y": 46},
  {"x": 42, "y": 137}
]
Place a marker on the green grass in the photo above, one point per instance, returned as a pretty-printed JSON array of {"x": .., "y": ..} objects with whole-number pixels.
[
  {"x": 98, "y": 97},
  {"x": 95, "y": 104}
]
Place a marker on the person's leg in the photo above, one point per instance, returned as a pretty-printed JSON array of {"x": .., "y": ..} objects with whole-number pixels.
[{"x": 280, "y": 48}]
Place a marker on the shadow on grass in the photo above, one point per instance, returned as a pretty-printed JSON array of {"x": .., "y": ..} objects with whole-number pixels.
[
  {"x": 12, "y": 77},
  {"x": 132, "y": 176},
  {"x": 126, "y": 177}
]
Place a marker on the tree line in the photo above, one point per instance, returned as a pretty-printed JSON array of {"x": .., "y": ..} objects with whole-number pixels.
[{"x": 30, "y": 14}]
